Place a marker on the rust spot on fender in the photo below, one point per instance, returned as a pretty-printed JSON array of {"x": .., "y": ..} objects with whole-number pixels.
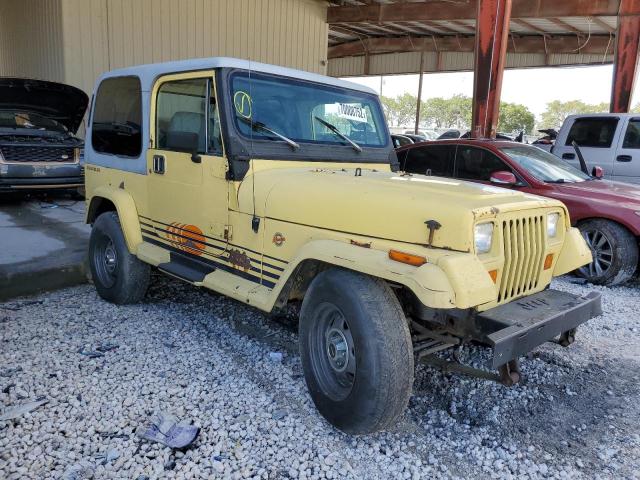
[
  {"x": 360, "y": 244},
  {"x": 239, "y": 260}
]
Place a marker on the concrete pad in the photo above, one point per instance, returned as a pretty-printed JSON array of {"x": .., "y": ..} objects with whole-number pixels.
[{"x": 43, "y": 245}]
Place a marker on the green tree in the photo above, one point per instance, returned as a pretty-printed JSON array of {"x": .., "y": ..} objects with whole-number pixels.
[
  {"x": 400, "y": 111},
  {"x": 557, "y": 111},
  {"x": 514, "y": 118},
  {"x": 432, "y": 112},
  {"x": 454, "y": 112},
  {"x": 389, "y": 107}
]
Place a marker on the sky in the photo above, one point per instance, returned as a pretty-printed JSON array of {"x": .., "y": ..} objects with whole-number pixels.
[{"x": 532, "y": 87}]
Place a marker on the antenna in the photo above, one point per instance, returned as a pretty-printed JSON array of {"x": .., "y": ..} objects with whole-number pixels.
[{"x": 255, "y": 221}]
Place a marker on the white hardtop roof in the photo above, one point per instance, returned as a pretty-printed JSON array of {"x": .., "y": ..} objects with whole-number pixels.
[
  {"x": 149, "y": 72},
  {"x": 603, "y": 114}
]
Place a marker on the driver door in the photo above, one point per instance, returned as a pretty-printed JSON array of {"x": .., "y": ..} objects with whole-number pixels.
[{"x": 187, "y": 189}]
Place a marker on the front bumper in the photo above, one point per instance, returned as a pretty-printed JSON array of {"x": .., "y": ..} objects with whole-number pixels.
[
  {"x": 518, "y": 327},
  {"x": 40, "y": 176}
]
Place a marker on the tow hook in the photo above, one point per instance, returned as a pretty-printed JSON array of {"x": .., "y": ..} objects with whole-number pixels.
[
  {"x": 510, "y": 373},
  {"x": 567, "y": 338}
]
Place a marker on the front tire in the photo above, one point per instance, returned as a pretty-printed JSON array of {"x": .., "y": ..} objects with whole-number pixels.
[
  {"x": 119, "y": 276},
  {"x": 614, "y": 250},
  {"x": 356, "y": 351}
]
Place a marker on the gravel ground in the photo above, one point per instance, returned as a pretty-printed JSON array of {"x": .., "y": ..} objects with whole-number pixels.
[{"x": 205, "y": 358}]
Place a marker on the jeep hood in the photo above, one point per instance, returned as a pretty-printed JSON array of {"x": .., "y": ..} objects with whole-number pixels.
[
  {"x": 382, "y": 205},
  {"x": 63, "y": 103}
]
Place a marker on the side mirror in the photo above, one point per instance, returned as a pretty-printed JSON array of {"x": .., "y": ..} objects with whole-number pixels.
[
  {"x": 597, "y": 172},
  {"x": 187, "y": 142},
  {"x": 503, "y": 178}
]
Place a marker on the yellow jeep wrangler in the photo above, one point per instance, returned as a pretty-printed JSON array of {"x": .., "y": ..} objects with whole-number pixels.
[{"x": 272, "y": 185}]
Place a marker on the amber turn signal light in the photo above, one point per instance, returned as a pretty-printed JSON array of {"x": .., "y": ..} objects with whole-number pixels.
[
  {"x": 494, "y": 275},
  {"x": 548, "y": 261},
  {"x": 415, "y": 260}
]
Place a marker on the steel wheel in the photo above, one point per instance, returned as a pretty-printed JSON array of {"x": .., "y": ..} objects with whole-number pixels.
[
  {"x": 602, "y": 252},
  {"x": 356, "y": 351},
  {"x": 333, "y": 356},
  {"x": 105, "y": 260}
]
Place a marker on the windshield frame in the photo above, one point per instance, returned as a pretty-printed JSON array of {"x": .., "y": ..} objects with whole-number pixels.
[
  {"x": 579, "y": 176},
  {"x": 240, "y": 149}
]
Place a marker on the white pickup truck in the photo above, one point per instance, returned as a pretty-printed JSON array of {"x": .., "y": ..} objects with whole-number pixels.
[{"x": 608, "y": 140}]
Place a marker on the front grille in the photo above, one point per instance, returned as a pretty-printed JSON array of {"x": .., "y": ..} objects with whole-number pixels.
[
  {"x": 25, "y": 154},
  {"x": 524, "y": 247}
]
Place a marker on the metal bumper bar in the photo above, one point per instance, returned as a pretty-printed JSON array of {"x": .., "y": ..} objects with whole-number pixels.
[{"x": 516, "y": 328}]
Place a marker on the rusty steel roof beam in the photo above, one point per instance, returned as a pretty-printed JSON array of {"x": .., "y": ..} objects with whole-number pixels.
[
  {"x": 492, "y": 36},
  {"x": 597, "y": 44},
  {"x": 446, "y": 10},
  {"x": 625, "y": 62}
]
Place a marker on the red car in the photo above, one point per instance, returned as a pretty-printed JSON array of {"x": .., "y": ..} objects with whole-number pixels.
[{"x": 607, "y": 213}]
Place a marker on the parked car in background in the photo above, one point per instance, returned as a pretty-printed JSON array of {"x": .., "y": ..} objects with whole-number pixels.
[
  {"x": 450, "y": 134},
  {"x": 499, "y": 136},
  {"x": 606, "y": 212},
  {"x": 400, "y": 140},
  {"x": 426, "y": 134},
  {"x": 415, "y": 138},
  {"x": 547, "y": 140},
  {"x": 609, "y": 140},
  {"x": 38, "y": 146}
]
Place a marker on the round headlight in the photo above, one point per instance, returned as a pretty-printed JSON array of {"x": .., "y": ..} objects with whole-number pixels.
[
  {"x": 483, "y": 235},
  {"x": 552, "y": 224}
]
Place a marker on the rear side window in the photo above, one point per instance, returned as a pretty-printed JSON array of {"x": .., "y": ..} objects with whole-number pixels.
[
  {"x": 632, "y": 136},
  {"x": 116, "y": 127},
  {"x": 593, "y": 132},
  {"x": 436, "y": 160}
]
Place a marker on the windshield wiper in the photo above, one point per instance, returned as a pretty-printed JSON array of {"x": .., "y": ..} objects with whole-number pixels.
[
  {"x": 560, "y": 180},
  {"x": 263, "y": 127},
  {"x": 335, "y": 130}
]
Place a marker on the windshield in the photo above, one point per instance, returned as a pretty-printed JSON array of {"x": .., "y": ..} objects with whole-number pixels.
[
  {"x": 30, "y": 120},
  {"x": 270, "y": 107},
  {"x": 543, "y": 165}
]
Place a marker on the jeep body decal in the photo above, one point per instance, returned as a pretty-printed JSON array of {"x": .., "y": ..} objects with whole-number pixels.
[{"x": 187, "y": 238}]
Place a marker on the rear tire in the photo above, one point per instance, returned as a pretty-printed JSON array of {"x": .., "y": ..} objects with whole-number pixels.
[
  {"x": 356, "y": 351},
  {"x": 614, "y": 249},
  {"x": 118, "y": 276}
]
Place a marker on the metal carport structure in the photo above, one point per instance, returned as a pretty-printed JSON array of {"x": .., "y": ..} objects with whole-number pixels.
[{"x": 380, "y": 37}]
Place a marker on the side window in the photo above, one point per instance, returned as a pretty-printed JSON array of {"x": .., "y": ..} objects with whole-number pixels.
[
  {"x": 477, "y": 164},
  {"x": 186, "y": 107},
  {"x": 593, "y": 132},
  {"x": 435, "y": 160},
  {"x": 116, "y": 126},
  {"x": 632, "y": 137}
]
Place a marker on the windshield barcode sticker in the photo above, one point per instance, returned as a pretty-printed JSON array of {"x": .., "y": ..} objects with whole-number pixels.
[{"x": 355, "y": 113}]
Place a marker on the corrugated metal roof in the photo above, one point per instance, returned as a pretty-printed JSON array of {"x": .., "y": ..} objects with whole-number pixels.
[{"x": 536, "y": 40}]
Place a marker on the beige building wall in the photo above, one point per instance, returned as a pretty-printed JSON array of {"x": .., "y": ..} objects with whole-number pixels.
[{"x": 73, "y": 41}]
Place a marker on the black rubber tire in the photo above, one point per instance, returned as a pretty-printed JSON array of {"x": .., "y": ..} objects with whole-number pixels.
[
  {"x": 624, "y": 247},
  {"x": 130, "y": 279},
  {"x": 384, "y": 364}
]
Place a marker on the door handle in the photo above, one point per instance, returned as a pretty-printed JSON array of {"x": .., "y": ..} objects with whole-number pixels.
[
  {"x": 624, "y": 158},
  {"x": 568, "y": 156},
  {"x": 158, "y": 164}
]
